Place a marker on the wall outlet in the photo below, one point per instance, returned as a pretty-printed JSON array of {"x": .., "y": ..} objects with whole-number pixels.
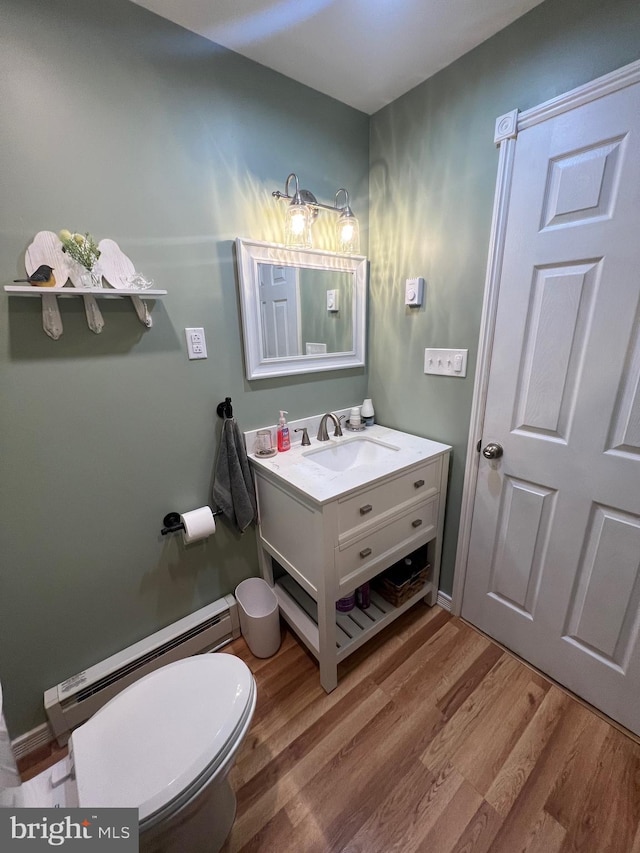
[
  {"x": 196, "y": 343},
  {"x": 446, "y": 362}
]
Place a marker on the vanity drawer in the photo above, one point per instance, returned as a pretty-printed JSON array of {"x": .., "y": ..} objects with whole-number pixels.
[
  {"x": 418, "y": 484},
  {"x": 380, "y": 545}
]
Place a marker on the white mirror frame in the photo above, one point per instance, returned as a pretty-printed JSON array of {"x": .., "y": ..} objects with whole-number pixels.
[{"x": 250, "y": 253}]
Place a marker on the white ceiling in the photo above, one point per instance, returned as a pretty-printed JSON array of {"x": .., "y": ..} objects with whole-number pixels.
[{"x": 363, "y": 52}]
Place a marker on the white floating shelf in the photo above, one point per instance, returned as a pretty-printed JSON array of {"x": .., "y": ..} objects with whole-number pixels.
[
  {"x": 104, "y": 292},
  {"x": 52, "y": 320},
  {"x": 114, "y": 266}
]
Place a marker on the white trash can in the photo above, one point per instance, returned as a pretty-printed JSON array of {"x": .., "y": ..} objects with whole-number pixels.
[{"x": 259, "y": 616}]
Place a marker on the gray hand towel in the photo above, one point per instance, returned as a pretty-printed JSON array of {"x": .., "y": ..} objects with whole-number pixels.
[{"x": 233, "y": 490}]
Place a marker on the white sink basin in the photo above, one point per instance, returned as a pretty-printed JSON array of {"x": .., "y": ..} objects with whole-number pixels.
[{"x": 351, "y": 453}]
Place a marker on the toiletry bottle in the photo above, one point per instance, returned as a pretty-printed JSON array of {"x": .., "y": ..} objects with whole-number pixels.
[
  {"x": 363, "y": 596},
  {"x": 284, "y": 441},
  {"x": 344, "y": 605},
  {"x": 367, "y": 413}
]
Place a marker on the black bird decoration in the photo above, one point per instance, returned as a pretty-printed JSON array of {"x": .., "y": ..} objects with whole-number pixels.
[{"x": 42, "y": 277}]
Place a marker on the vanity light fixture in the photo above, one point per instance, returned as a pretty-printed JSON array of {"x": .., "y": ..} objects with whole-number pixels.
[
  {"x": 303, "y": 211},
  {"x": 347, "y": 228},
  {"x": 298, "y": 218}
]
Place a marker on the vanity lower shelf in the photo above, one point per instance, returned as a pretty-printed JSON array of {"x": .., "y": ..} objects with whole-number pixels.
[{"x": 353, "y": 629}]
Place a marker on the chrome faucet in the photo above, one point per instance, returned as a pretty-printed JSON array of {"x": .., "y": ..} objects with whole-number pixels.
[{"x": 323, "y": 435}]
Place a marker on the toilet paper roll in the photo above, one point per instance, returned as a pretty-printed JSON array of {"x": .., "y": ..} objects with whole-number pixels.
[{"x": 198, "y": 524}]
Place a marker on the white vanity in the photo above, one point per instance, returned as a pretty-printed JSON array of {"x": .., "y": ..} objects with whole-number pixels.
[{"x": 336, "y": 514}]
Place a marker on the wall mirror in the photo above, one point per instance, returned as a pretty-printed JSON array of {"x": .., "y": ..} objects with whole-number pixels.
[{"x": 303, "y": 310}]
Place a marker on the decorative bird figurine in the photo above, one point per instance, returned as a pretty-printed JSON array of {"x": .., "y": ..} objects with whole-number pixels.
[{"x": 42, "y": 277}]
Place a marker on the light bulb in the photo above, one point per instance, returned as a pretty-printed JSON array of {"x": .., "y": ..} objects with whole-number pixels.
[
  {"x": 297, "y": 233},
  {"x": 348, "y": 233},
  {"x": 298, "y": 223}
]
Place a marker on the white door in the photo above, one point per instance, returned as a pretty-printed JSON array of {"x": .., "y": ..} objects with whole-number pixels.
[
  {"x": 280, "y": 310},
  {"x": 553, "y": 568}
]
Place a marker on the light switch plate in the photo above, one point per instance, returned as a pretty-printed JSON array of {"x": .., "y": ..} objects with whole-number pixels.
[
  {"x": 446, "y": 362},
  {"x": 332, "y": 301}
]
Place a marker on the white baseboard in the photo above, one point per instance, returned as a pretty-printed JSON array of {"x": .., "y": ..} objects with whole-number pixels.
[
  {"x": 444, "y": 600},
  {"x": 31, "y": 741}
]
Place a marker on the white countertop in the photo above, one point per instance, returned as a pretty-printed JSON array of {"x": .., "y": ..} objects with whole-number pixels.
[{"x": 322, "y": 485}]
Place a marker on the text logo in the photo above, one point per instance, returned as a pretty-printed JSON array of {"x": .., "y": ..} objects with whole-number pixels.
[{"x": 69, "y": 829}]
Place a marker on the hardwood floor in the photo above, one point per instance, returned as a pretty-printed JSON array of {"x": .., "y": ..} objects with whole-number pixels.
[{"x": 435, "y": 740}]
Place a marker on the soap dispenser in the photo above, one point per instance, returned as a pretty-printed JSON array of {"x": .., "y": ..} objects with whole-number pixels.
[{"x": 284, "y": 440}]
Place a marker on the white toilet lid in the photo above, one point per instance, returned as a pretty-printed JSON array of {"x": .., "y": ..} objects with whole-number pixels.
[{"x": 162, "y": 733}]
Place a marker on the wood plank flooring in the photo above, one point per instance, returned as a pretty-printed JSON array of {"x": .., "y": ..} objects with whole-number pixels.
[{"x": 435, "y": 740}]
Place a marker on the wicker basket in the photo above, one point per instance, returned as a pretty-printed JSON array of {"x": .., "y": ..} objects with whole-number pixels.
[{"x": 403, "y": 580}]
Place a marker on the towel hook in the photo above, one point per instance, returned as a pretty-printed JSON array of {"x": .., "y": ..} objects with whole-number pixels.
[{"x": 224, "y": 409}]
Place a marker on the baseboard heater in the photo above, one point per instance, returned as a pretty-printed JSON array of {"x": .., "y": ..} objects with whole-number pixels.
[{"x": 79, "y": 697}]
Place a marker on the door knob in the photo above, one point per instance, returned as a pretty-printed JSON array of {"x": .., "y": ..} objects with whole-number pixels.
[{"x": 492, "y": 451}]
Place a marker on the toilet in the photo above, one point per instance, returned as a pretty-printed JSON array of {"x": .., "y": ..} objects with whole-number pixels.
[{"x": 165, "y": 746}]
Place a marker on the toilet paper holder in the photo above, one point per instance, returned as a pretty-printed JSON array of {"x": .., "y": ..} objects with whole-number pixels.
[{"x": 173, "y": 524}]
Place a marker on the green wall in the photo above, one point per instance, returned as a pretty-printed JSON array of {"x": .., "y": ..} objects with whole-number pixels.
[
  {"x": 433, "y": 171},
  {"x": 115, "y": 121}
]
